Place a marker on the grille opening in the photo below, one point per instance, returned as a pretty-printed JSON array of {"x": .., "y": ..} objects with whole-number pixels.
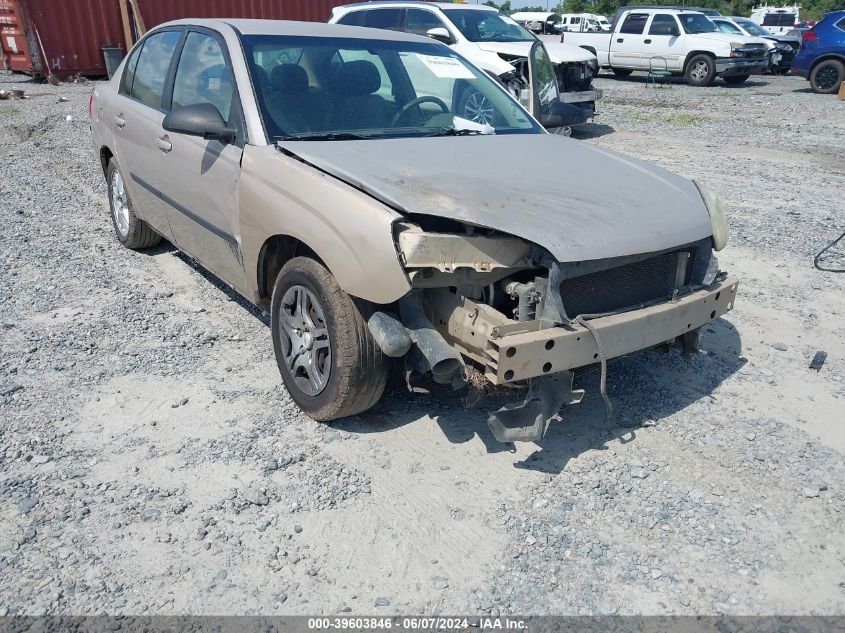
[{"x": 615, "y": 289}]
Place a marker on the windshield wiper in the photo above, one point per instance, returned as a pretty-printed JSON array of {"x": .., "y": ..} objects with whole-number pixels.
[
  {"x": 450, "y": 131},
  {"x": 329, "y": 136}
]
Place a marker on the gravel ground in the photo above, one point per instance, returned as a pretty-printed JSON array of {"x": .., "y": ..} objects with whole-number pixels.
[{"x": 151, "y": 462}]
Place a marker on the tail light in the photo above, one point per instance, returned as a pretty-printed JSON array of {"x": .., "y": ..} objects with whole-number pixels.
[
  {"x": 91, "y": 105},
  {"x": 809, "y": 36},
  {"x": 562, "y": 33}
]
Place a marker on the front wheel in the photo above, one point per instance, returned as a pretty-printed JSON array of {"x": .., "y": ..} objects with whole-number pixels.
[
  {"x": 826, "y": 77},
  {"x": 327, "y": 357},
  {"x": 735, "y": 80},
  {"x": 701, "y": 70},
  {"x": 474, "y": 106}
]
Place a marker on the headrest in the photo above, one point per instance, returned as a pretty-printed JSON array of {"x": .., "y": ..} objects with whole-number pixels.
[
  {"x": 357, "y": 78},
  {"x": 289, "y": 79}
]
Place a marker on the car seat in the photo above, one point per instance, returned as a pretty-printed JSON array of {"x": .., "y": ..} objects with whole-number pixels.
[{"x": 356, "y": 105}]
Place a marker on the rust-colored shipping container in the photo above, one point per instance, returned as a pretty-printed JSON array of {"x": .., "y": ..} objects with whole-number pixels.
[{"x": 71, "y": 34}]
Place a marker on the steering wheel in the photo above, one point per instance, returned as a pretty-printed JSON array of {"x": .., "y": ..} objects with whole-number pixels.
[{"x": 417, "y": 102}]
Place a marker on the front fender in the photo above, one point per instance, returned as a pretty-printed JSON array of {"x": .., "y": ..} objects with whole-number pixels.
[{"x": 350, "y": 231}]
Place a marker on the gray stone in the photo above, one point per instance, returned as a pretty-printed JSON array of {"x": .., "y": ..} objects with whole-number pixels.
[
  {"x": 256, "y": 497},
  {"x": 27, "y": 504},
  {"x": 781, "y": 347},
  {"x": 439, "y": 582},
  {"x": 150, "y": 514},
  {"x": 381, "y": 601},
  {"x": 811, "y": 492},
  {"x": 39, "y": 459}
]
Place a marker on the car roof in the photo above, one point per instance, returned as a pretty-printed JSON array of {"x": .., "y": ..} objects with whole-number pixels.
[
  {"x": 306, "y": 29},
  {"x": 414, "y": 3}
]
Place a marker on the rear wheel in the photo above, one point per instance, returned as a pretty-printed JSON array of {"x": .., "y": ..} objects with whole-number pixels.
[
  {"x": 735, "y": 79},
  {"x": 826, "y": 76},
  {"x": 701, "y": 70},
  {"x": 327, "y": 357},
  {"x": 132, "y": 232},
  {"x": 622, "y": 72}
]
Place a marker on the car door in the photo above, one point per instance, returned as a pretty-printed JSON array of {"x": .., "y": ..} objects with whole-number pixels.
[
  {"x": 201, "y": 177},
  {"x": 663, "y": 40},
  {"x": 627, "y": 43},
  {"x": 136, "y": 115}
]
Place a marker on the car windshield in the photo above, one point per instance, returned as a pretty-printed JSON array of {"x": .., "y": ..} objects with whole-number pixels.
[
  {"x": 752, "y": 28},
  {"x": 488, "y": 26},
  {"x": 321, "y": 88},
  {"x": 697, "y": 23}
]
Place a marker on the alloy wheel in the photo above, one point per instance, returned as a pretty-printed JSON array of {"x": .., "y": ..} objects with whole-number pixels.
[
  {"x": 305, "y": 340},
  {"x": 479, "y": 109},
  {"x": 119, "y": 204}
]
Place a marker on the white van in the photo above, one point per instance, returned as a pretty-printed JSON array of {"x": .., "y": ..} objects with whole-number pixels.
[
  {"x": 584, "y": 23},
  {"x": 776, "y": 20}
]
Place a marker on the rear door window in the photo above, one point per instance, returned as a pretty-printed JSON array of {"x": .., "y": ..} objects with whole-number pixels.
[
  {"x": 663, "y": 24},
  {"x": 153, "y": 67},
  {"x": 375, "y": 19},
  {"x": 420, "y": 21},
  {"x": 129, "y": 71},
  {"x": 634, "y": 23}
]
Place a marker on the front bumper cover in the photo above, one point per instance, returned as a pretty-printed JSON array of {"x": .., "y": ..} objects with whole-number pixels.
[
  {"x": 729, "y": 66},
  {"x": 543, "y": 352}
]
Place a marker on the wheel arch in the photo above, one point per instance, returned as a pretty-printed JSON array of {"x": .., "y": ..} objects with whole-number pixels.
[
  {"x": 590, "y": 49},
  {"x": 824, "y": 58},
  {"x": 693, "y": 54},
  {"x": 275, "y": 252},
  {"x": 105, "y": 156}
]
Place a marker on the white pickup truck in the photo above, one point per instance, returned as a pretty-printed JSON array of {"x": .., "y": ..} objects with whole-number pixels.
[{"x": 682, "y": 42}]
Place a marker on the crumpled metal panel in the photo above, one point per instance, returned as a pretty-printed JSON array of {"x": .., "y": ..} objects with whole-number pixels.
[{"x": 578, "y": 201}]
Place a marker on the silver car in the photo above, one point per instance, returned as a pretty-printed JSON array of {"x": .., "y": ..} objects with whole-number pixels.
[{"x": 323, "y": 173}]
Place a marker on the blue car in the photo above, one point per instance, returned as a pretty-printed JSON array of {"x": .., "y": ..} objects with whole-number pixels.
[{"x": 822, "y": 55}]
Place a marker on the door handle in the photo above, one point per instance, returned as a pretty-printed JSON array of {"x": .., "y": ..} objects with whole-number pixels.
[
  {"x": 647, "y": 42},
  {"x": 164, "y": 143},
  {"x": 119, "y": 120},
  {"x": 620, "y": 40}
]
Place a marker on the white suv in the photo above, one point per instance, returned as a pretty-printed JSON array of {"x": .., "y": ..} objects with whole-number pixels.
[{"x": 489, "y": 39}]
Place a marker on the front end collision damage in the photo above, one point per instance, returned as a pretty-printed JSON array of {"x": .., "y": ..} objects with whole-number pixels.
[{"x": 481, "y": 301}]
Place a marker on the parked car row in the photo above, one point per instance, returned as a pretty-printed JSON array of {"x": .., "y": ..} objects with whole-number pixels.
[{"x": 334, "y": 176}]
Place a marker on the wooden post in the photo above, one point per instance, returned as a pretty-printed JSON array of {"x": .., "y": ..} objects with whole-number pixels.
[
  {"x": 139, "y": 19},
  {"x": 127, "y": 30},
  {"x": 842, "y": 91}
]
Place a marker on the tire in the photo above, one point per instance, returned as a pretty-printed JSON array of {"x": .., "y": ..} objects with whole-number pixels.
[
  {"x": 474, "y": 106},
  {"x": 341, "y": 370},
  {"x": 701, "y": 70},
  {"x": 131, "y": 231},
  {"x": 622, "y": 72},
  {"x": 735, "y": 80},
  {"x": 826, "y": 76}
]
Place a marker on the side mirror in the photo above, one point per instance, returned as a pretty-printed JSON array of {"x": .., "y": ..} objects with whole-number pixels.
[
  {"x": 441, "y": 34},
  {"x": 543, "y": 86},
  {"x": 200, "y": 119}
]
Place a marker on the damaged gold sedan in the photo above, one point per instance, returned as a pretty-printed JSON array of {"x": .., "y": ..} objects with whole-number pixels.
[{"x": 321, "y": 171}]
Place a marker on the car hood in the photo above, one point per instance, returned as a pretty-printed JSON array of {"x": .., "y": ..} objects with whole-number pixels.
[
  {"x": 578, "y": 201},
  {"x": 727, "y": 38},
  {"x": 558, "y": 53}
]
